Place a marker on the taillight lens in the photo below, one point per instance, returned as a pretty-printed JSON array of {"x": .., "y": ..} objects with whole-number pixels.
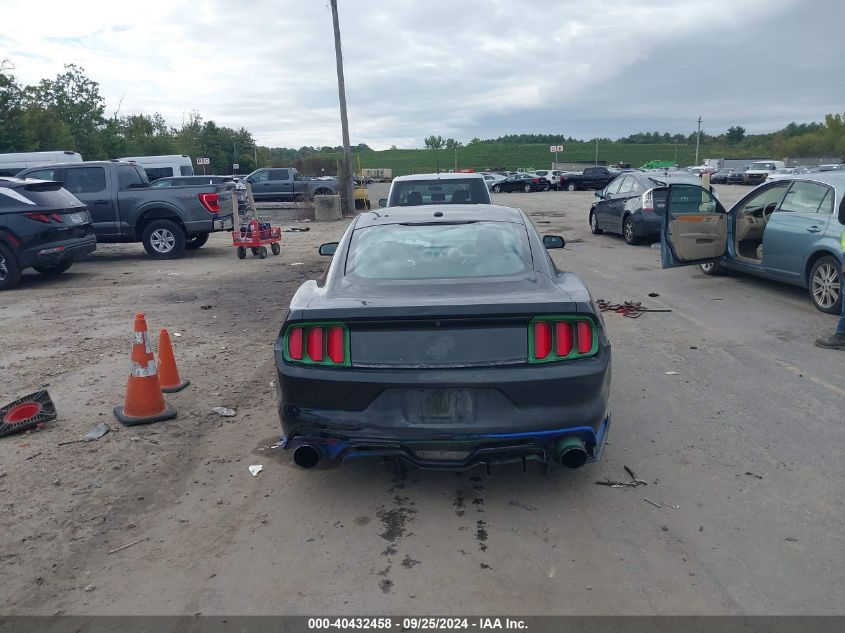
[
  {"x": 46, "y": 217},
  {"x": 648, "y": 201},
  {"x": 561, "y": 338},
  {"x": 314, "y": 345},
  {"x": 211, "y": 201},
  {"x": 324, "y": 344},
  {"x": 294, "y": 343},
  {"x": 542, "y": 340}
]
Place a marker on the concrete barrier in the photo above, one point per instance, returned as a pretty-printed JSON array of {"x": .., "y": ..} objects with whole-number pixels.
[{"x": 327, "y": 208}]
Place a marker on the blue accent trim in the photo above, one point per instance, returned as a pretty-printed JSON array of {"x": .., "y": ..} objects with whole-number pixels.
[{"x": 573, "y": 430}]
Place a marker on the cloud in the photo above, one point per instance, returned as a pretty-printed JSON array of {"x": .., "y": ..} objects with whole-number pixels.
[{"x": 462, "y": 69}]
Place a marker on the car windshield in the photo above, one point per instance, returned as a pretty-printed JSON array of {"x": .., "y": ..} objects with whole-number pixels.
[
  {"x": 763, "y": 166},
  {"x": 445, "y": 191},
  {"x": 439, "y": 251}
]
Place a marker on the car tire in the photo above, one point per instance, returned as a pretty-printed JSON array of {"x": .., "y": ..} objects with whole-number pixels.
[
  {"x": 571, "y": 187},
  {"x": 594, "y": 224},
  {"x": 527, "y": 188},
  {"x": 164, "y": 239},
  {"x": 10, "y": 270},
  {"x": 628, "y": 232},
  {"x": 54, "y": 269},
  {"x": 713, "y": 268},
  {"x": 825, "y": 285},
  {"x": 497, "y": 189},
  {"x": 196, "y": 241}
]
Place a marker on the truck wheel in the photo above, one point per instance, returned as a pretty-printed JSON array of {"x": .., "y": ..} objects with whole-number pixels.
[
  {"x": 241, "y": 252},
  {"x": 55, "y": 269},
  {"x": 164, "y": 239},
  {"x": 571, "y": 187},
  {"x": 196, "y": 241},
  {"x": 10, "y": 271},
  {"x": 275, "y": 248},
  {"x": 262, "y": 252}
]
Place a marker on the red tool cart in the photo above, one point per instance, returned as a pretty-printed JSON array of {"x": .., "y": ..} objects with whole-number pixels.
[{"x": 254, "y": 235}]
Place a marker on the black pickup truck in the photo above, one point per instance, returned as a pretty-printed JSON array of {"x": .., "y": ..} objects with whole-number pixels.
[
  {"x": 590, "y": 178},
  {"x": 124, "y": 208}
]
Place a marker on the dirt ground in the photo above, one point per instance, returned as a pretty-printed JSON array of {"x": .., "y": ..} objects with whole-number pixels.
[{"x": 746, "y": 440}]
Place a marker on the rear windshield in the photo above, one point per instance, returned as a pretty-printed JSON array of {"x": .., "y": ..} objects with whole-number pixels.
[
  {"x": 451, "y": 191},
  {"x": 439, "y": 251},
  {"x": 36, "y": 195}
]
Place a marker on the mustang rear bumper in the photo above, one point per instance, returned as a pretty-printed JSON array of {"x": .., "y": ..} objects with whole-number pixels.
[{"x": 452, "y": 418}]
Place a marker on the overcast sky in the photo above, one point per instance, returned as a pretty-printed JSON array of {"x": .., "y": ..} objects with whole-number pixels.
[{"x": 459, "y": 68}]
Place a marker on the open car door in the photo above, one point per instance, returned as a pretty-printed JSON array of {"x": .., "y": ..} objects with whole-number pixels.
[{"x": 695, "y": 226}]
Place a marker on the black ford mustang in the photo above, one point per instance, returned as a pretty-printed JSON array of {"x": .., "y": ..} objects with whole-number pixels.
[{"x": 447, "y": 338}]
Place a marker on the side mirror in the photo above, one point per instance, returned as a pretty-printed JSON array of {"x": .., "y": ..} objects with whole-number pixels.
[
  {"x": 382, "y": 202},
  {"x": 553, "y": 241},
  {"x": 599, "y": 194},
  {"x": 328, "y": 249}
]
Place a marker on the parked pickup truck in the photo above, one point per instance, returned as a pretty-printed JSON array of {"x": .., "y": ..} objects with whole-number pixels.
[
  {"x": 124, "y": 208},
  {"x": 590, "y": 178},
  {"x": 284, "y": 183}
]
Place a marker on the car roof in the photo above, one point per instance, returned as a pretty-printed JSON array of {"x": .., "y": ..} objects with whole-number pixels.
[
  {"x": 835, "y": 179},
  {"x": 449, "y": 213},
  {"x": 442, "y": 176}
]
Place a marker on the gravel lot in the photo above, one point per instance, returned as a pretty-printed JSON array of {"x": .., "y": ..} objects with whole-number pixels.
[{"x": 747, "y": 441}]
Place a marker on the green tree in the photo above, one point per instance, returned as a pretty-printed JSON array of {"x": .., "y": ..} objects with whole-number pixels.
[
  {"x": 735, "y": 134},
  {"x": 434, "y": 142}
]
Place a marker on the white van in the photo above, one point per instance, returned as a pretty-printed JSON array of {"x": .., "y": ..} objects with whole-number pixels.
[
  {"x": 12, "y": 164},
  {"x": 163, "y": 166}
]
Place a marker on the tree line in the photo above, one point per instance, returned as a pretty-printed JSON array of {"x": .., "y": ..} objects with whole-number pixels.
[{"x": 68, "y": 113}]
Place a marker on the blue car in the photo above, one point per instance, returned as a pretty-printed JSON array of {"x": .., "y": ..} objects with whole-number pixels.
[{"x": 788, "y": 230}]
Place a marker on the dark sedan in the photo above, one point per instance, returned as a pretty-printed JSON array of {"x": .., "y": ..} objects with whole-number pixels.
[
  {"x": 721, "y": 176},
  {"x": 737, "y": 177},
  {"x": 42, "y": 226},
  {"x": 522, "y": 182},
  {"x": 626, "y": 208},
  {"x": 447, "y": 338}
]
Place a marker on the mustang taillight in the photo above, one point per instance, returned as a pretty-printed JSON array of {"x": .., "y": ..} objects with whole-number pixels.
[
  {"x": 324, "y": 344},
  {"x": 561, "y": 338}
]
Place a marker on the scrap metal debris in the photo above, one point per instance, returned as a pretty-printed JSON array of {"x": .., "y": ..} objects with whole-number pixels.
[
  {"x": 255, "y": 469},
  {"x": 630, "y": 309},
  {"x": 297, "y": 229},
  {"x": 662, "y": 504},
  {"x": 223, "y": 412},
  {"x": 633, "y": 483},
  {"x": 97, "y": 431},
  {"x": 122, "y": 547}
]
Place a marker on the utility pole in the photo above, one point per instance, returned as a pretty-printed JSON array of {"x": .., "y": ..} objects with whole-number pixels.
[
  {"x": 597, "y": 150},
  {"x": 697, "y": 140},
  {"x": 456, "y": 160},
  {"x": 344, "y": 122}
]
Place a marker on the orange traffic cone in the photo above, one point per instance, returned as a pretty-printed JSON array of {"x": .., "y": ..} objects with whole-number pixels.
[
  {"x": 168, "y": 372},
  {"x": 144, "y": 402}
]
